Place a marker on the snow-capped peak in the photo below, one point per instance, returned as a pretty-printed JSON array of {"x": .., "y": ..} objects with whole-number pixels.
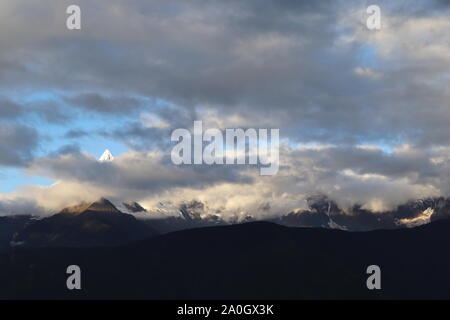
[{"x": 106, "y": 156}]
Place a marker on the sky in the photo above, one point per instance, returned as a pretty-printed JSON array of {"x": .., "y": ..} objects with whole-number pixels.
[{"x": 363, "y": 114}]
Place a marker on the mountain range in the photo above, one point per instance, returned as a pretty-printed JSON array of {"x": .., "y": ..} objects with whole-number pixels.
[
  {"x": 101, "y": 223},
  {"x": 308, "y": 254}
]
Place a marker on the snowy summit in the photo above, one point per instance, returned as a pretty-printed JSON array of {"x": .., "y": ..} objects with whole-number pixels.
[{"x": 106, "y": 156}]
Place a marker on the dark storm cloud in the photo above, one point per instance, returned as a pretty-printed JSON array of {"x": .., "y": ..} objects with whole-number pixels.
[
  {"x": 212, "y": 67},
  {"x": 374, "y": 161},
  {"x": 139, "y": 137},
  {"x": 9, "y": 109},
  {"x": 102, "y": 104},
  {"x": 274, "y": 63},
  {"x": 18, "y": 144},
  {"x": 138, "y": 172}
]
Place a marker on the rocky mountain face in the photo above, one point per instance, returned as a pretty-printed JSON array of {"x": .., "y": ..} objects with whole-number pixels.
[
  {"x": 191, "y": 215},
  {"x": 96, "y": 224},
  {"x": 325, "y": 213},
  {"x": 133, "y": 207}
]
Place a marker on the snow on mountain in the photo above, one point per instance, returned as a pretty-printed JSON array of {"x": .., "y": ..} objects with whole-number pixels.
[
  {"x": 331, "y": 223},
  {"x": 423, "y": 218},
  {"x": 106, "y": 156}
]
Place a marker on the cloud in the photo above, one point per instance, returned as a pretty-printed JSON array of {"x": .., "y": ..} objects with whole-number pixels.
[
  {"x": 76, "y": 133},
  {"x": 131, "y": 174},
  {"x": 291, "y": 64},
  {"x": 9, "y": 109},
  {"x": 102, "y": 104},
  {"x": 18, "y": 143},
  {"x": 20, "y": 206},
  {"x": 373, "y": 104},
  {"x": 361, "y": 176},
  {"x": 51, "y": 111},
  {"x": 68, "y": 149}
]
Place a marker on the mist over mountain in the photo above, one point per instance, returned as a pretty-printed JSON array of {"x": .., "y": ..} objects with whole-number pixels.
[
  {"x": 101, "y": 223},
  {"x": 325, "y": 213}
]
